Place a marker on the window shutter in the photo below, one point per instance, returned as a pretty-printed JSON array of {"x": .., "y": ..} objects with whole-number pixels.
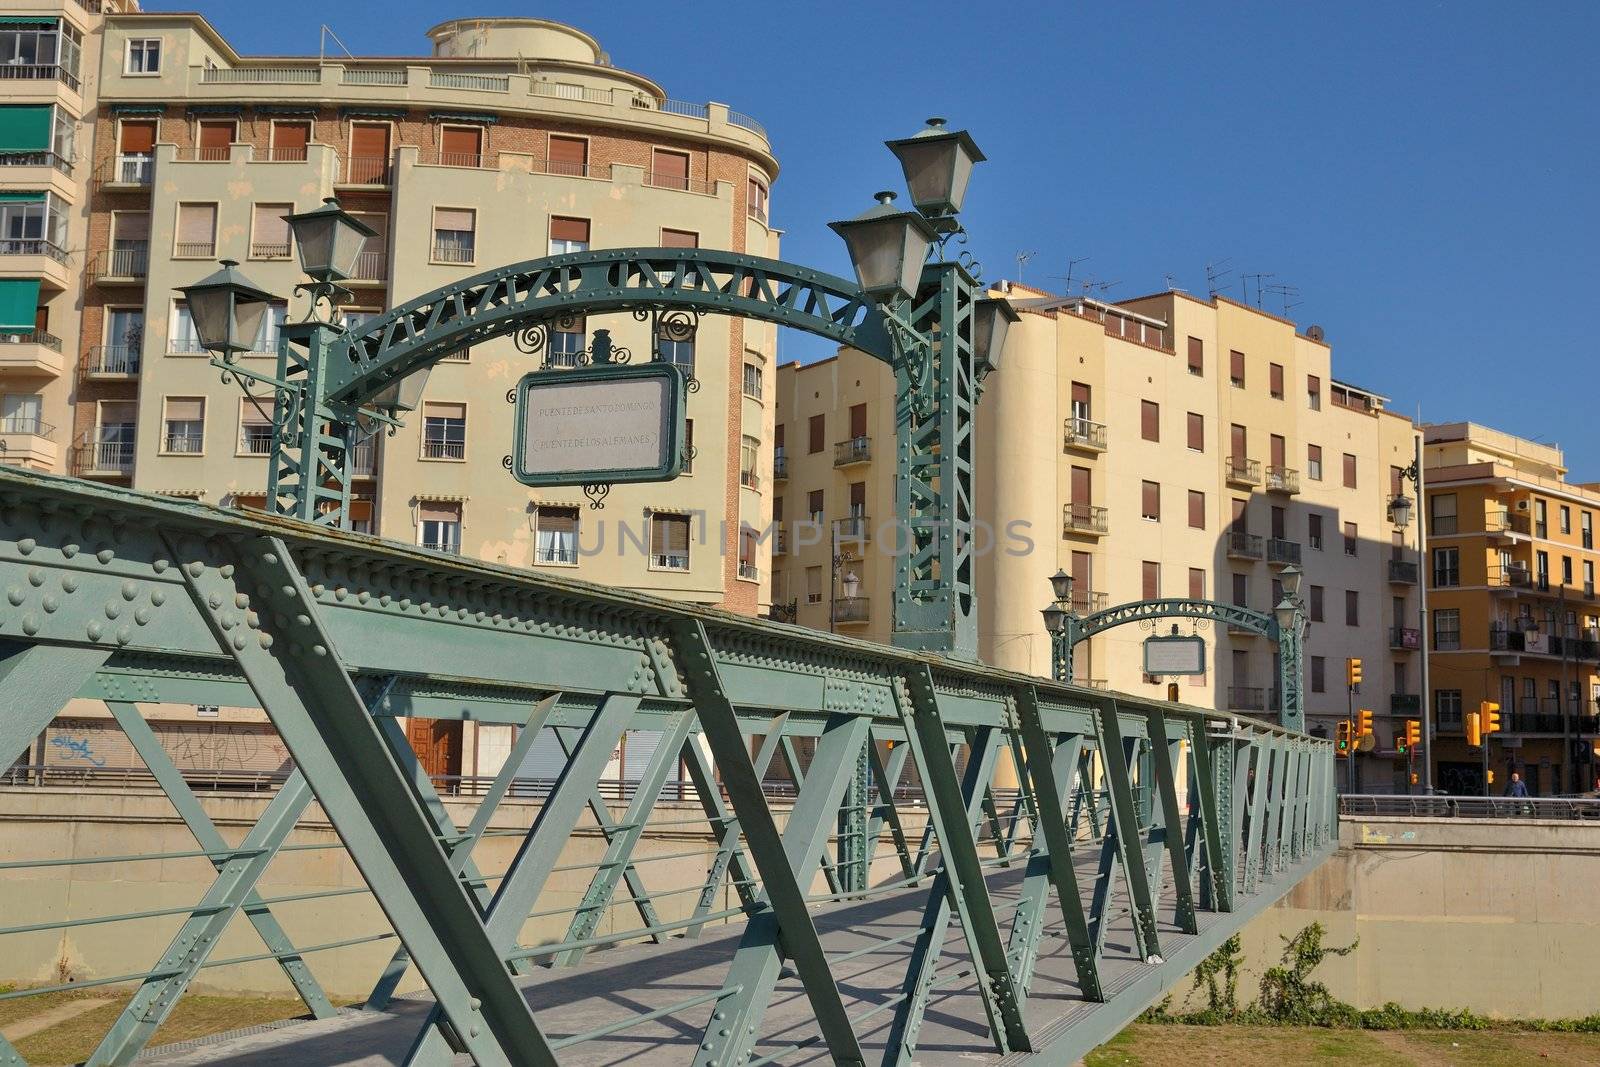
[
  {"x": 1080, "y": 398},
  {"x": 461, "y": 140},
  {"x": 565, "y": 229},
  {"x": 1197, "y": 355},
  {"x": 570, "y": 150},
  {"x": 1275, "y": 379},
  {"x": 138, "y": 137},
  {"x": 678, "y": 239},
  {"x": 1236, "y": 366},
  {"x": 1197, "y": 584},
  {"x": 440, "y": 511},
  {"x": 1151, "y": 494},
  {"x": 777, "y": 436},
  {"x": 1349, "y": 471},
  {"x": 1277, "y": 450},
  {"x": 1152, "y": 580},
  {"x": 216, "y": 135},
  {"x": 1197, "y": 431},
  {"x": 132, "y": 226},
  {"x": 858, "y": 495},
  {"x": 258, "y": 412},
  {"x": 818, "y": 428},
  {"x": 454, "y": 219},
  {"x": 197, "y": 223},
  {"x": 673, "y": 165},
  {"x": 289, "y": 135},
  {"x": 1197, "y": 509},
  {"x": 677, "y": 535},
  {"x": 185, "y": 409},
  {"x": 558, "y": 520},
  {"x": 360, "y": 510},
  {"x": 433, "y": 410},
  {"x": 1239, "y": 441},
  {"x": 858, "y": 420},
  {"x": 369, "y": 140},
  {"x": 1150, "y": 420},
  {"x": 270, "y": 225}
]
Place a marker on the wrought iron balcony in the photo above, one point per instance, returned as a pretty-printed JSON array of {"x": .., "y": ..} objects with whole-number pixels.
[
  {"x": 1402, "y": 572},
  {"x": 255, "y": 439},
  {"x": 1083, "y": 435},
  {"x": 1242, "y": 545},
  {"x": 438, "y": 448},
  {"x": 111, "y": 361},
  {"x": 130, "y": 263},
  {"x": 364, "y": 459},
  {"x": 37, "y": 352},
  {"x": 749, "y": 571},
  {"x": 1247, "y": 698},
  {"x": 368, "y": 170},
  {"x": 1405, "y": 638},
  {"x": 371, "y": 266},
  {"x": 1243, "y": 472},
  {"x": 1281, "y": 553},
  {"x": 853, "y": 528},
  {"x": 27, "y": 425},
  {"x": 103, "y": 458},
  {"x": 1087, "y": 601},
  {"x": 856, "y": 450},
  {"x": 32, "y": 246},
  {"x": 780, "y": 466},
  {"x": 1085, "y": 519},
  {"x": 1283, "y": 480},
  {"x": 39, "y": 72},
  {"x": 1405, "y": 703},
  {"x": 1516, "y": 576},
  {"x": 750, "y": 479},
  {"x": 1504, "y": 523},
  {"x": 851, "y": 609},
  {"x": 184, "y": 444},
  {"x": 44, "y": 158}
]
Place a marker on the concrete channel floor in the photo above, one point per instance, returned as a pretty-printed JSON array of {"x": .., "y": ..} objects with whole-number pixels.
[{"x": 615, "y": 984}]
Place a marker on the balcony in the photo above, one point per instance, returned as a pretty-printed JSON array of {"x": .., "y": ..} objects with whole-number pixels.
[
  {"x": 750, "y": 480},
  {"x": 1281, "y": 553},
  {"x": 1243, "y": 473},
  {"x": 1087, "y": 601},
  {"x": 34, "y": 258},
  {"x": 1247, "y": 698},
  {"x": 780, "y": 542},
  {"x": 28, "y": 442},
  {"x": 1083, "y": 435},
  {"x": 364, "y": 459},
  {"x": 1243, "y": 545},
  {"x": 45, "y": 159},
  {"x": 454, "y": 252},
  {"x": 195, "y": 249},
  {"x": 1402, "y": 572},
  {"x": 1083, "y": 520},
  {"x": 1504, "y": 524},
  {"x": 749, "y": 571},
  {"x": 436, "y": 448},
  {"x": 851, "y": 610},
  {"x": 1284, "y": 480},
  {"x": 849, "y": 453},
  {"x": 483, "y": 83},
  {"x": 255, "y": 439},
  {"x": 451, "y": 547},
  {"x": 1405, "y": 638},
  {"x": 122, "y": 266},
  {"x": 1405, "y": 704},
  {"x": 368, "y": 172},
  {"x": 182, "y": 444},
  {"x": 668, "y": 180},
  {"x": 269, "y": 249},
  {"x": 103, "y": 459},
  {"x": 372, "y": 268},
  {"x": 780, "y": 466},
  {"x": 111, "y": 363},
  {"x": 1510, "y": 579},
  {"x": 40, "y": 72},
  {"x": 30, "y": 354},
  {"x": 126, "y": 174},
  {"x": 855, "y": 528}
]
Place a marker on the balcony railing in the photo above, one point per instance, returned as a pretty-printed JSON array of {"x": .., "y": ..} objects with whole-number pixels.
[
  {"x": 1513, "y": 577},
  {"x": 260, "y": 75},
  {"x": 188, "y": 444},
  {"x": 780, "y": 466},
  {"x": 1087, "y": 601},
  {"x": 1402, "y": 572},
  {"x": 371, "y": 266},
  {"x": 104, "y": 457},
  {"x": 749, "y": 571},
  {"x": 1243, "y": 545},
  {"x": 39, "y": 72},
  {"x": 373, "y": 76},
  {"x": 1283, "y": 480},
  {"x": 453, "y": 253},
  {"x": 570, "y": 91},
  {"x": 195, "y": 249},
  {"x": 483, "y": 83},
  {"x": 558, "y": 552},
  {"x": 853, "y": 528},
  {"x": 367, "y": 170},
  {"x": 855, "y": 450},
  {"x": 269, "y": 250},
  {"x": 111, "y": 361},
  {"x": 36, "y": 159},
  {"x": 32, "y": 337},
  {"x": 31, "y": 246},
  {"x": 1446, "y": 640},
  {"x": 1283, "y": 553},
  {"x": 434, "y": 448},
  {"x": 452, "y": 547},
  {"x": 780, "y": 542},
  {"x": 1083, "y": 519},
  {"x": 364, "y": 459},
  {"x": 132, "y": 262},
  {"x": 255, "y": 439},
  {"x": 184, "y": 346},
  {"x": 750, "y": 479},
  {"x": 1247, "y": 698},
  {"x": 1084, "y": 435},
  {"x": 851, "y": 609},
  {"x": 1405, "y": 703},
  {"x": 667, "y": 180},
  {"x": 135, "y": 170},
  {"x": 1505, "y": 521},
  {"x": 467, "y": 160},
  {"x": 27, "y": 424},
  {"x": 1405, "y": 638},
  {"x": 1244, "y": 472},
  {"x": 669, "y": 561}
]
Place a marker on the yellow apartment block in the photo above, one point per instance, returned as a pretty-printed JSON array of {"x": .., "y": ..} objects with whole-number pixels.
[
  {"x": 1514, "y": 618},
  {"x": 1158, "y": 447}
]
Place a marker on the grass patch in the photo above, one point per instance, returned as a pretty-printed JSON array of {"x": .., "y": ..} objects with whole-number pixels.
[
  {"x": 1179, "y": 1045},
  {"x": 196, "y": 1015}
]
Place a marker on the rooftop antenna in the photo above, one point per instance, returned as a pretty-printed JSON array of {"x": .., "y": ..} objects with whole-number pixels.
[
  {"x": 1215, "y": 272},
  {"x": 1284, "y": 291},
  {"x": 322, "y": 44},
  {"x": 1066, "y": 279},
  {"x": 1172, "y": 282},
  {"x": 1094, "y": 285},
  {"x": 1257, "y": 277},
  {"x": 1022, "y": 261}
]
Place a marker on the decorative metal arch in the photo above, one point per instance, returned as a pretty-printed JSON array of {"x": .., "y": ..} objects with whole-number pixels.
[{"x": 1289, "y": 642}]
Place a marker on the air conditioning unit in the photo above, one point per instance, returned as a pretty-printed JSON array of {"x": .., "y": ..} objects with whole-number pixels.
[{"x": 1522, "y": 505}]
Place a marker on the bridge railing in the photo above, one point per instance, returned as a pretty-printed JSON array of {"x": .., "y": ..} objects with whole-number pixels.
[
  {"x": 1463, "y": 807},
  {"x": 1016, "y": 811}
]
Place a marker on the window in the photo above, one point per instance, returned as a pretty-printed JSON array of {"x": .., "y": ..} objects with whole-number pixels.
[
  {"x": 271, "y": 327},
  {"x": 269, "y": 234},
  {"x": 214, "y": 139},
  {"x": 1197, "y": 357},
  {"x": 756, "y": 200},
  {"x": 1541, "y": 519},
  {"x": 1316, "y": 606},
  {"x": 1197, "y": 584},
  {"x": 183, "y": 425},
  {"x": 136, "y": 151},
  {"x": 669, "y": 542},
  {"x": 568, "y": 155},
  {"x": 35, "y": 47},
  {"x": 556, "y": 531},
  {"x": 1447, "y": 629},
  {"x": 144, "y": 56},
  {"x": 1442, "y": 513},
  {"x": 1566, "y": 570},
  {"x": 813, "y": 585},
  {"x": 814, "y": 506},
  {"x": 675, "y": 342},
  {"x": 1447, "y": 709},
  {"x": 1149, "y": 420},
  {"x": 289, "y": 141},
  {"x": 444, "y": 431},
  {"x": 461, "y": 146},
  {"x": 752, "y": 381},
  {"x": 1151, "y": 579},
  {"x": 454, "y": 234},
  {"x": 1319, "y": 674},
  {"x": 679, "y": 238},
  {"x": 1314, "y": 531},
  {"x": 668, "y": 170},
  {"x": 1446, "y": 566},
  {"x": 1352, "y": 607},
  {"x": 568, "y": 235},
  {"x": 566, "y": 345},
  {"x": 1275, "y": 380},
  {"x": 1349, "y": 471},
  {"x": 1313, "y": 392},
  {"x": 1351, "y": 541},
  {"x": 369, "y": 154},
  {"x": 1196, "y": 424},
  {"x": 688, "y": 446},
  {"x": 124, "y": 342},
  {"x": 1197, "y": 509},
  {"x": 1236, "y": 369},
  {"x": 748, "y": 552},
  {"x": 1586, "y": 528},
  {"x": 197, "y": 232},
  {"x": 255, "y": 425},
  {"x": 749, "y": 462},
  {"x": 816, "y": 428},
  {"x": 1150, "y": 500},
  {"x": 1566, "y": 519},
  {"x": 1314, "y": 462},
  {"x": 1241, "y": 590},
  {"x": 1588, "y": 576},
  {"x": 184, "y": 337},
  {"x": 439, "y": 525}
]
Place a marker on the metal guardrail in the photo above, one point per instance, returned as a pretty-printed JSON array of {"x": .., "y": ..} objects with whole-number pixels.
[{"x": 1440, "y": 806}]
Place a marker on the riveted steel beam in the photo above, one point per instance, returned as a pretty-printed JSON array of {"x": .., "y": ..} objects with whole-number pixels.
[
  {"x": 37, "y": 681},
  {"x": 1165, "y": 754},
  {"x": 1116, "y": 753}
]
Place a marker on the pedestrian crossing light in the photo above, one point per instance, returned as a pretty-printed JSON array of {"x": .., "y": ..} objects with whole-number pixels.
[
  {"x": 1352, "y": 672},
  {"x": 1341, "y": 742},
  {"x": 1489, "y": 717},
  {"x": 1413, "y": 736},
  {"x": 1471, "y": 725},
  {"x": 1364, "y": 722}
]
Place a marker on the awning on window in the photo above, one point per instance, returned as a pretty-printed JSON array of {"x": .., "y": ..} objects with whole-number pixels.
[
  {"x": 138, "y": 109},
  {"x": 34, "y": 196},
  {"x": 478, "y": 117},
  {"x": 26, "y": 20},
  {"x": 19, "y": 301},
  {"x": 25, "y": 129}
]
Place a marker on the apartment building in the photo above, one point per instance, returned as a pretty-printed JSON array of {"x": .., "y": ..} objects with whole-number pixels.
[
  {"x": 1512, "y": 609},
  {"x": 1158, "y": 447},
  {"x": 508, "y": 140}
]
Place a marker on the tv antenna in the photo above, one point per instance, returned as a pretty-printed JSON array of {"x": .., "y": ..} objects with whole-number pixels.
[
  {"x": 1284, "y": 292},
  {"x": 1066, "y": 279},
  {"x": 1215, "y": 272},
  {"x": 322, "y": 44},
  {"x": 1022, "y": 261},
  {"x": 1258, "y": 277},
  {"x": 1172, "y": 282}
]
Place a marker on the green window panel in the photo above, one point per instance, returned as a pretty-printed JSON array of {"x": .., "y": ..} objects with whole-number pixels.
[
  {"x": 19, "y": 299},
  {"x": 25, "y": 128}
]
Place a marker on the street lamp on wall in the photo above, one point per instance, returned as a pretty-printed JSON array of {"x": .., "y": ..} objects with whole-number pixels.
[{"x": 1400, "y": 511}]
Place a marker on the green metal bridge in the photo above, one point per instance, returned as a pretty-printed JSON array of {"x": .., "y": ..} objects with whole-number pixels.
[{"x": 915, "y": 909}]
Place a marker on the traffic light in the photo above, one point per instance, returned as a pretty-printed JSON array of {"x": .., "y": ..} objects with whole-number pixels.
[
  {"x": 1470, "y": 724},
  {"x": 1352, "y": 672},
  {"x": 1489, "y": 717},
  {"x": 1364, "y": 722},
  {"x": 1413, "y": 736},
  {"x": 1341, "y": 738}
]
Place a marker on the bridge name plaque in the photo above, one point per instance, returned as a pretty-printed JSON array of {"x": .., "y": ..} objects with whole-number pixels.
[{"x": 605, "y": 423}]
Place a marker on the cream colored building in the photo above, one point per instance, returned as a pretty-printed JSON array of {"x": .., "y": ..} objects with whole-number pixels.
[{"x": 1164, "y": 446}]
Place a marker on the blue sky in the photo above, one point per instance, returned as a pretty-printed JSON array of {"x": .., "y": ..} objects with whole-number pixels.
[{"x": 1424, "y": 173}]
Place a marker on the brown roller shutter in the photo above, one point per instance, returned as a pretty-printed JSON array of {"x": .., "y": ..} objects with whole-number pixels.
[
  {"x": 669, "y": 170},
  {"x": 1080, "y": 485},
  {"x": 289, "y": 140},
  {"x": 1150, "y": 500},
  {"x": 1197, "y": 431},
  {"x": 777, "y": 436},
  {"x": 1236, "y": 367},
  {"x": 215, "y": 137},
  {"x": 369, "y": 139},
  {"x": 440, "y": 511},
  {"x": 669, "y": 535},
  {"x": 1149, "y": 420},
  {"x": 817, "y": 426},
  {"x": 569, "y": 155},
  {"x": 858, "y": 421},
  {"x": 461, "y": 146},
  {"x": 1275, "y": 379},
  {"x": 1349, "y": 471},
  {"x": 1197, "y": 356},
  {"x": 1237, "y": 440},
  {"x": 567, "y": 229},
  {"x": 186, "y": 409},
  {"x": 137, "y": 137},
  {"x": 1277, "y": 451},
  {"x": 1197, "y": 509},
  {"x": 1152, "y": 579},
  {"x": 1080, "y": 400},
  {"x": 678, "y": 239},
  {"x": 197, "y": 223}
]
